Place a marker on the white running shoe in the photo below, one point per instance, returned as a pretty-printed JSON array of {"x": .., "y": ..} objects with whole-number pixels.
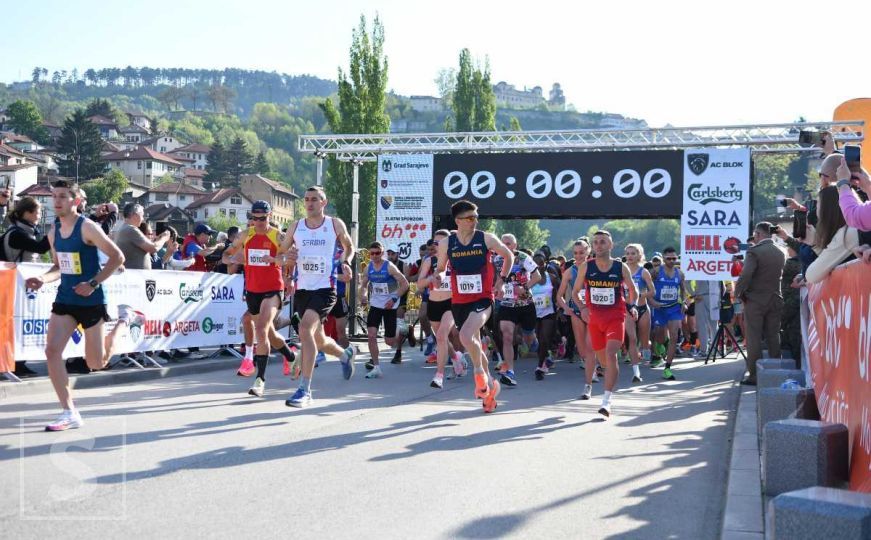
[
  {"x": 438, "y": 381},
  {"x": 376, "y": 373},
  {"x": 588, "y": 392},
  {"x": 257, "y": 388},
  {"x": 595, "y": 378},
  {"x": 459, "y": 364},
  {"x": 605, "y": 409},
  {"x": 67, "y": 420}
]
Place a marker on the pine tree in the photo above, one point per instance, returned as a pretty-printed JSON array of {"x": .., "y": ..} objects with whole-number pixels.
[
  {"x": 238, "y": 160},
  {"x": 80, "y": 145},
  {"x": 217, "y": 169},
  {"x": 260, "y": 165}
]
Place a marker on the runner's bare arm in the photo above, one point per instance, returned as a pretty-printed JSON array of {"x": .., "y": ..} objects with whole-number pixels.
[
  {"x": 442, "y": 257},
  {"x": 495, "y": 245},
  {"x": 228, "y": 256},
  {"x": 364, "y": 288},
  {"x": 633, "y": 290},
  {"x": 579, "y": 283},
  {"x": 683, "y": 286},
  {"x": 424, "y": 280},
  {"x": 347, "y": 273},
  {"x": 344, "y": 239},
  {"x": 561, "y": 292},
  {"x": 287, "y": 244},
  {"x": 534, "y": 277},
  {"x": 645, "y": 275},
  {"x": 93, "y": 234},
  {"x": 399, "y": 277},
  {"x": 52, "y": 274}
]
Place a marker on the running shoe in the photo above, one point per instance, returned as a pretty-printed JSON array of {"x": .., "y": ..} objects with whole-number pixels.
[
  {"x": 430, "y": 346},
  {"x": 600, "y": 371},
  {"x": 376, "y": 373},
  {"x": 605, "y": 410},
  {"x": 659, "y": 349},
  {"x": 540, "y": 372},
  {"x": 508, "y": 378},
  {"x": 67, "y": 420},
  {"x": 637, "y": 378},
  {"x": 347, "y": 362},
  {"x": 588, "y": 392},
  {"x": 655, "y": 362},
  {"x": 490, "y": 400},
  {"x": 431, "y": 358},
  {"x": 438, "y": 381},
  {"x": 300, "y": 399},
  {"x": 257, "y": 388},
  {"x": 247, "y": 368},
  {"x": 502, "y": 366},
  {"x": 459, "y": 364},
  {"x": 319, "y": 358},
  {"x": 595, "y": 378},
  {"x": 291, "y": 366},
  {"x": 397, "y": 357},
  {"x": 482, "y": 388},
  {"x": 583, "y": 363},
  {"x": 686, "y": 345},
  {"x": 549, "y": 362},
  {"x": 561, "y": 348},
  {"x": 534, "y": 347},
  {"x": 667, "y": 374},
  {"x": 369, "y": 365}
]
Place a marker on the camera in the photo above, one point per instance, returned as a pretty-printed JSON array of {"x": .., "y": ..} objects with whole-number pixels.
[
  {"x": 783, "y": 203},
  {"x": 853, "y": 157}
]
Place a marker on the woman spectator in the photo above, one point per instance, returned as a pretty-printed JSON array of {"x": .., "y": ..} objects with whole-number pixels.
[
  {"x": 163, "y": 258},
  {"x": 833, "y": 239}
]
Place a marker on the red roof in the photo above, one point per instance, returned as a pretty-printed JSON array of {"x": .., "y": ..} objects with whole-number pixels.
[
  {"x": 216, "y": 197},
  {"x": 277, "y": 186},
  {"x": 7, "y": 150},
  {"x": 102, "y": 120},
  {"x": 140, "y": 153},
  {"x": 177, "y": 188},
  {"x": 194, "y": 148},
  {"x": 194, "y": 173},
  {"x": 14, "y": 137},
  {"x": 36, "y": 190}
]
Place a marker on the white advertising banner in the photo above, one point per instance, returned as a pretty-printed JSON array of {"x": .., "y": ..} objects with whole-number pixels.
[
  {"x": 174, "y": 310},
  {"x": 404, "y": 215},
  {"x": 716, "y": 211}
]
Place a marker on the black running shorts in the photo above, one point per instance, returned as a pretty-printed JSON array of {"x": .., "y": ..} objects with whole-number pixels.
[
  {"x": 87, "y": 316},
  {"x": 321, "y": 301},
  {"x": 377, "y": 315}
]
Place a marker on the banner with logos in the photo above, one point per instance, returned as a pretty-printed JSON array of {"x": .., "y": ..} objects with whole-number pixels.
[
  {"x": 405, "y": 190},
  {"x": 839, "y": 353},
  {"x": 716, "y": 210},
  {"x": 7, "y": 310},
  {"x": 173, "y": 310}
]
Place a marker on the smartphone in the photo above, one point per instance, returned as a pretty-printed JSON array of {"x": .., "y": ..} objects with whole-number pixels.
[
  {"x": 161, "y": 226},
  {"x": 783, "y": 203},
  {"x": 799, "y": 224},
  {"x": 743, "y": 247},
  {"x": 810, "y": 137},
  {"x": 853, "y": 156}
]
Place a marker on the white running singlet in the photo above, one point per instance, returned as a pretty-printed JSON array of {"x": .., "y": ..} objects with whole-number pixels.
[{"x": 317, "y": 250}]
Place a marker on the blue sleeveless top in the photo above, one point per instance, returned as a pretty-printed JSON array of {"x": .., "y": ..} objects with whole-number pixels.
[
  {"x": 382, "y": 285},
  {"x": 78, "y": 262},
  {"x": 667, "y": 288}
]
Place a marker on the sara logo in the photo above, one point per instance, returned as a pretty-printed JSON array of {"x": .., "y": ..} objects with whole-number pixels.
[
  {"x": 150, "y": 289},
  {"x": 698, "y": 163},
  {"x": 190, "y": 293},
  {"x": 210, "y": 326},
  {"x": 386, "y": 166},
  {"x": 386, "y": 202},
  {"x": 708, "y": 194},
  {"x": 223, "y": 294}
]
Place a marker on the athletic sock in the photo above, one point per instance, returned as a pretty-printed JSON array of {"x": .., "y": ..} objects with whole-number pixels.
[
  {"x": 636, "y": 370},
  {"x": 305, "y": 383},
  {"x": 606, "y": 397},
  {"x": 694, "y": 336},
  {"x": 261, "y": 360},
  {"x": 249, "y": 351},
  {"x": 286, "y": 352}
]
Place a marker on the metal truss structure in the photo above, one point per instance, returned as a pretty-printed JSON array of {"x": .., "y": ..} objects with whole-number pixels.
[{"x": 764, "y": 138}]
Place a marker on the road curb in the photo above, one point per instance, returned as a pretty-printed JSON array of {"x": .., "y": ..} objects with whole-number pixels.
[{"x": 42, "y": 385}]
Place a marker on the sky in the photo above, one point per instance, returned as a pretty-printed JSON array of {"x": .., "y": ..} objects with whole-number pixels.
[{"x": 667, "y": 62}]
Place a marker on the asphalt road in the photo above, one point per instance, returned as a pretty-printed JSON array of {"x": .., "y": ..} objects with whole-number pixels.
[{"x": 391, "y": 458}]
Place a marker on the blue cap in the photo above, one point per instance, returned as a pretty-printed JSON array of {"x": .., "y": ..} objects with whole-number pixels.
[
  {"x": 202, "y": 228},
  {"x": 261, "y": 206}
]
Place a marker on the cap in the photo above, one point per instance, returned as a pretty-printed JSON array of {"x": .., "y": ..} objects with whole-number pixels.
[
  {"x": 656, "y": 254},
  {"x": 393, "y": 247},
  {"x": 202, "y": 228},
  {"x": 261, "y": 206}
]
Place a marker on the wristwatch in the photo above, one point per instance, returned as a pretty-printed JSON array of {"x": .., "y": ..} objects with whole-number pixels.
[
  {"x": 843, "y": 183},
  {"x": 94, "y": 283}
]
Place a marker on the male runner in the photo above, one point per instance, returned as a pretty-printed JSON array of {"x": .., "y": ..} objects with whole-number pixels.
[
  {"x": 409, "y": 271},
  {"x": 81, "y": 300},
  {"x": 467, "y": 251},
  {"x": 385, "y": 284},
  {"x": 667, "y": 303},
  {"x": 310, "y": 246},
  {"x": 263, "y": 287},
  {"x": 439, "y": 312},
  {"x": 516, "y": 308},
  {"x": 605, "y": 310}
]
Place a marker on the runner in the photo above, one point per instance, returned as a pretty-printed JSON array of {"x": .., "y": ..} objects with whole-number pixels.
[
  {"x": 406, "y": 333},
  {"x": 439, "y": 313},
  {"x": 639, "y": 331},
  {"x": 81, "y": 300},
  {"x": 605, "y": 309},
  {"x": 310, "y": 246},
  {"x": 467, "y": 251},
  {"x": 426, "y": 252},
  {"x": 544, "y": 299},
  {"x": 341, "y": 310},
  {"x": 516, "y": 307},
  {"x": 263, "y": 288},
  {"x": 577, "y": 299},
  {"x": 667, "y": 303},
  {"x": 385, "y": 284}
]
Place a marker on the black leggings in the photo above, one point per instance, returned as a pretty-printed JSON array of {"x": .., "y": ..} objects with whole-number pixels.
[{"x": 545, "y": 330}]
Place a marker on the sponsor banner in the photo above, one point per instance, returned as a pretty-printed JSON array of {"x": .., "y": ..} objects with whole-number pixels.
[
  {"x": 839, "y": 353},
  {"x": 404, "y": 216},
  {"x": 7, "y": 310},
  {"x": 173, "y": 310},
  {"x": 716, "y": 210}
]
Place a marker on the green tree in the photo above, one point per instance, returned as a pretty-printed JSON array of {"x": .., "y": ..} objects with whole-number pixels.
[
  {"x": 361, "y": 109},
  {"x": 222, "y": 223},
  {"x": 217, "y": 169},
  {"x": 653, "y": 234},
  {"x": 527, "y": 231},
  {"x": 238, "y": 160},
  {"x": 771, "y": 178},
  {"x": 108, "y": 188},
  {"x": 261, "y": 166},
  {"x": 463, "y": 102},
  {"x": 514, "y": 124},
  {"x": 80, "y": 145},
  {"x": 25, "y": 119},
  {"x": 100, "y": 107},
  {"x": 485, "y": 101}
]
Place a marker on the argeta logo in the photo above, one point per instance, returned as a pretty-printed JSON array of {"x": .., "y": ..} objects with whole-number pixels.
[
  {"x": 697, "y": 163},
  {"x": 386, "y": 202},
  {"x": 386, "y": 165},
  {"x": 150, "y": 289},
  {"x": 190, "y": 293}
]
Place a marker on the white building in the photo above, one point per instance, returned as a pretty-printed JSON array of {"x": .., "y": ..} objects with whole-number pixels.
[
  {"x": 511, "y": 98},
  {"x": 198, "y": 153},
  {"x": 42, "y": 194},
  {"x": 132, "y": 134},
  {"x": 20, "y": 176},
  {"x": 175, "y": 193},
  {"x": 163, "y": 143},
  {"x": 108, "y": 128},
  {"x": 426, "y": 104},
  {"x": 142, "y": 166},
  {"x": 227, "y": 202},
  {"x": 140, "y": 120}
]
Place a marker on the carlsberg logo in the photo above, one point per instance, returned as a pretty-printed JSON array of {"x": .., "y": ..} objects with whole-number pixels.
[
  {"x": 704, "y": 195},
  {"x": 190, "y": 293}
]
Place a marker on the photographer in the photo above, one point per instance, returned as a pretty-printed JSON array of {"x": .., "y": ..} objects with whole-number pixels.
[
  {"x": 834, "y": 240},
  {"x": 106, "y": 215},
  {"x": 856, "y": 213},
  {"x": 135, "y": 246}
]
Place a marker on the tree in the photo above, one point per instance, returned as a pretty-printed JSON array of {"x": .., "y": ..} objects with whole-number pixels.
[
  {"x": 527, "y": 231},
  {"x": 446, "y": 82},
  {"x": 464, "y": 94},
  {"x": 771, "y": 178},
  {"x": 514, "y": 124},
  {"x": 238, "y": 160},
  {"x": 36, "y": 74},
  {"x": 170, "y": 96},
  {"x": 100, "y": 107},
  {"x": 194, "y": 95},
  {"x": 485, "y": 101},
  {"x": 108, "y": 188},
  {"x": 25, "y": 119},
  {"x": 217, "y": 169},
  {"x": 80, "y": 145},
  {"x": 222, "y": 223},
  {"x": 261, "y": 166},
  {"x": 221, "y": 96},
  {"x": 361, "y": 109}
]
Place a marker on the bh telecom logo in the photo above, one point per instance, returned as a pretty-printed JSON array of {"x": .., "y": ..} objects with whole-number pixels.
[
  {"x": 210, "y": 326},
  {"x": 190, "y": 293}
]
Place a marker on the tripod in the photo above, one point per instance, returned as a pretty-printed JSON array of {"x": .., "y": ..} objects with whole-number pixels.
[{"x": 719, "y": 344}]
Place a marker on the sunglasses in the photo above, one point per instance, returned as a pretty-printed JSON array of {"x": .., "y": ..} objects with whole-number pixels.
[
  {"x": 256, "y": 218},
  {"x": 374, "y": 253},
  {"x": 671, "y": 258},
  {"x": 468, "y": 218}
]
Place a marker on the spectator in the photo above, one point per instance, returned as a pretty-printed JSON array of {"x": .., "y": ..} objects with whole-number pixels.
[
  {"x": 23, "y": 241},
  {"x": 834, "y": 241},
  {"x": 106, "y": 215},
  {"x": 759, "y": 288},
  {"x": 135, "y": 246},
  {"x": 163, "y": 258},
  {"x": 5, "y": 196},
  {"x": 228, "y": 238},
  {"x": 856, "y": 213},
  {"x": 194, "y": 247},
  {"x": 790, "y": 323}
]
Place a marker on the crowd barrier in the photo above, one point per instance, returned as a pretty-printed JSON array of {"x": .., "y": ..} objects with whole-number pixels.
[
  {"x": 839, "y": 356},
  {"x": 174, "y": 310}
]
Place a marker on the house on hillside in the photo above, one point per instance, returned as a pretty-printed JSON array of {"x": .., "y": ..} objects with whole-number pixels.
[
  {"x": 133, "y": 134},
  {"x": 54, "y": 131},
  {"x": 278, "y": 195},
  {"x": 142, "y": 166},
  {"x": 170, "y": 215},
  {"x": 163, "y": 143},
  {"x": 175, "y": 193},
  {"x": 197, "y": 153},
  {"x": 194, "y": 177},
  {"x": 426, "y": 104},
  {"x": 19, "y": 176},
  {"x": 141, "y": 120},
  {"x": 22, "y": 143},
  {"x": 226, "y": 202},
  {"x": 108, "y": 127}
]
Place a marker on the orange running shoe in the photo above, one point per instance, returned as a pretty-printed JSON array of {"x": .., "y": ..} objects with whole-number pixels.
[
  {"x": 246, "y": 369},
  {"x": 686, "y": 345},
  {"x": 431, "y": 358},
  {"x": 490, "y": 400},
  {"x": 482, "y": 390}
]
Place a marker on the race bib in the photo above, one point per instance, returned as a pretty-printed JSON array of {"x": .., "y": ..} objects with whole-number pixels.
[
  {"x": 313, "y": 265},
  {"x": 470, "y": 284},
  {"x": 542, "y": 301},
  {"x": 602, "y": 296},
  {"x": 380, "y": 288},
  {"x": 445, "y": 286},
  {"x": 257, "y": 257},
  {"x": 508, "y": 291},
  {"x": 668, "y": 294},
  {"x": 69, "y": 263}
]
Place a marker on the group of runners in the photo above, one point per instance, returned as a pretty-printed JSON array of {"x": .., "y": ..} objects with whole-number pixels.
[{"x": 483, "y": 299}]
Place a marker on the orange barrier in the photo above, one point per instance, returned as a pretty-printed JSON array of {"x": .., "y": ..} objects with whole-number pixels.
[
  {"x": 7, "y": 310},
  {"x": 839, "y": 351},
  {"x": 856, "y": 109}
]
